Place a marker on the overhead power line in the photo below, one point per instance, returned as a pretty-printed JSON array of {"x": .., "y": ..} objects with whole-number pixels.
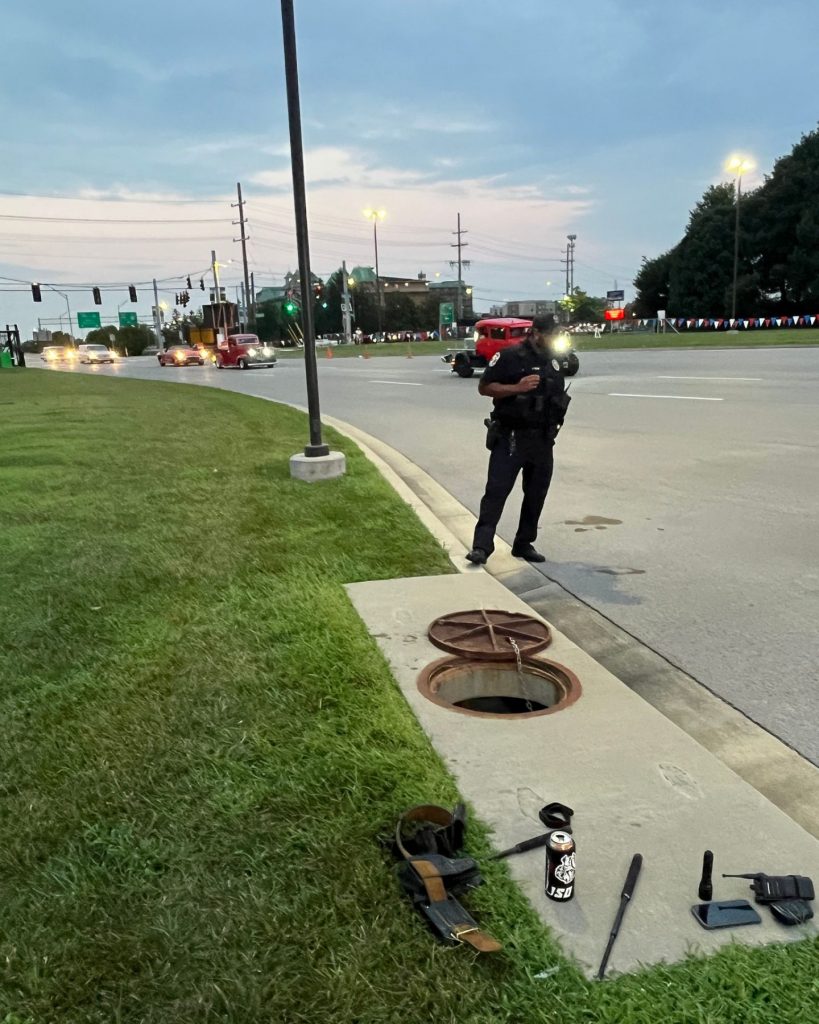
[{"x": 113, "y": 220}]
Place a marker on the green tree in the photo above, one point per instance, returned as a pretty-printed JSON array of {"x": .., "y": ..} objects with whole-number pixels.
[
  {"x": 102, "y": 335},
  {"x": 135, "y": 339},
  {"x": 781, "y": 229},
  {"x": 652, "y": 284},
  {"x": 366, "y": 309},
  {"x": 582, "y": 307},
  {"x": 701, "y": 275},
  {"x": 401, "y": 313}
]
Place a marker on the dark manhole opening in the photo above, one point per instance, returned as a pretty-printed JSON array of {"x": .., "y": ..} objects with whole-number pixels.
[
  {"x": 499, "y": 689},
  {"x": 499, "y": 705}
]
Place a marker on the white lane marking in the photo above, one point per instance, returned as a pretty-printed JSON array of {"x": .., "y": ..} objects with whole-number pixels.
[
  {"x": 682, "y": 398},
  {"x": 406, "y": 383},
  {"x": 710, "y": 378}
]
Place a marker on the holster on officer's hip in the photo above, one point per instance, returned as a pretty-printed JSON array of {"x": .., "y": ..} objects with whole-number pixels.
[{"x": 493, "y": 433}]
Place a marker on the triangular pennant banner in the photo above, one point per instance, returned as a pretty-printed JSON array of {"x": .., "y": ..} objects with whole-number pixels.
[{"x": 812, "y": 321}]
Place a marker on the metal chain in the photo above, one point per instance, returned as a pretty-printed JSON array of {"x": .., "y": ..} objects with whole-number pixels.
[{"x": 522, "y": 677}]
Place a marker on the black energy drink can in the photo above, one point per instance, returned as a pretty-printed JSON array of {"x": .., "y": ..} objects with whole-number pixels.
[{"x": 560, "y": 866}]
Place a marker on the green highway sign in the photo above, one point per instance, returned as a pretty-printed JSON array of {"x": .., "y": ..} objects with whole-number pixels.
[
  {"x": 86, "y": 320},
  {"x": 446, "y": 313},
  {"x": 126, "y": 319}
]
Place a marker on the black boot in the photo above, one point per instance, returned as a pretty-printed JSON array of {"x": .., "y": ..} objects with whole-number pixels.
[{"x": 528, "y": 552}]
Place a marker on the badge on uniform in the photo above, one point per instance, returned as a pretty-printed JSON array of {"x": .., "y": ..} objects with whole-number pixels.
[
  {"x": 555, "y": 366},
  {"x": 494, "y": 359}
]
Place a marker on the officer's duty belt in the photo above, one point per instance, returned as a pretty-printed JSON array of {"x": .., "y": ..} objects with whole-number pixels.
[{"x": 432, "y": 875}]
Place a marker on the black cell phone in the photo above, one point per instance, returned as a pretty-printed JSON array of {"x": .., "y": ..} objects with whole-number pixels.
[{"x": 725, "y": 914}]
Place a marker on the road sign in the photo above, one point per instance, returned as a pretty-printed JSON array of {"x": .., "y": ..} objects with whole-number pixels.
[
  {"x": 127, "y": 319},
  {"x": 86, "y": 320},
  {"x": 616, "y": 296},
  {"x": 446, "y": 313}
]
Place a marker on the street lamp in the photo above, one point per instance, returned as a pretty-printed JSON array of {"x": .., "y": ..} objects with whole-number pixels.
[
  {"x": 375, "y": 216},
  {"x": 737, "y": 165},
  {"x": 68, "y": 306}
]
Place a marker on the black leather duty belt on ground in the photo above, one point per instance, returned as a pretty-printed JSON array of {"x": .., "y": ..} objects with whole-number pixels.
[{"x": 433, "y": 876}]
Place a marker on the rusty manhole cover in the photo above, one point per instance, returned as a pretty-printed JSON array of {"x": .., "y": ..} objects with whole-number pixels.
[{"x": 489, "y": 635}]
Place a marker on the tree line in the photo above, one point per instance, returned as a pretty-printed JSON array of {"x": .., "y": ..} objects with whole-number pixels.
[{"x": 778, "y": 264}]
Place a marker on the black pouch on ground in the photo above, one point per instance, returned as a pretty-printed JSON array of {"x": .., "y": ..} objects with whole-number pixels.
[
  {"x": 773, "y": 888},
  {"x": 427, "y": 839}
]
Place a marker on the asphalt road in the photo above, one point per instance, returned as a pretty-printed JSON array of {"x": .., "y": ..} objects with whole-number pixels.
[{"x": 685, "y": 503}]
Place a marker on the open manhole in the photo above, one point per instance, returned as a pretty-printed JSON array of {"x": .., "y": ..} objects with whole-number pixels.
[
  {"x": 499, "y": 689},
  {"x": 490, "y": 635}
]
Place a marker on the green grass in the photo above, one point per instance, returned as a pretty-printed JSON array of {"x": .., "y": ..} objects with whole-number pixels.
[
  {"x": 587, "y": 343},
  {"x": 397, "y": 349},
  {"x": 199, "y": 744},
  {"x": 704, "y": 339}
]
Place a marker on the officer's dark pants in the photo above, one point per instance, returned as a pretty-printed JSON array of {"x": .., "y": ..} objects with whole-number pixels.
[{"x": 504, "y": 465}]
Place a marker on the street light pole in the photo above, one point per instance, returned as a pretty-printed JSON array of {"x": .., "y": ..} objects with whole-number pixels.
[
  {"x": 736, "y": 250},
  {"x": 739, "y": 166},
  {"x": 316, "y": 447},
  {"x": 375, "y": 216},
  {"x": 68, "y": 307}
]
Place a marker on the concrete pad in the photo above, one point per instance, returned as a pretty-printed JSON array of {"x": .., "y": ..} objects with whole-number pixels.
[
  {"x": 317, "y": 467},
  {"x": 637, "y": 783}
]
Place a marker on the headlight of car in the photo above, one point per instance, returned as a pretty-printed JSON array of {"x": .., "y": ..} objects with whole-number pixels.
[
  {"x": 267, "y": 351},
  {"x": 251, "y": 351}
]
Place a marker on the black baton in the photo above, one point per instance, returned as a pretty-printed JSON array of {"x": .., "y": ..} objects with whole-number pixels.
[{"x": 625, "y": 897}]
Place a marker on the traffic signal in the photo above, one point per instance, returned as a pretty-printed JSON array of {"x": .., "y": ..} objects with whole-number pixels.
[
  {"x": 35, "y": 293},
  {"x": 132, "y": 295},
  {"x": 290, "y": 307},
  {"x": 97, "y": 296},
  {"x": 188, "y": 282},
  {"x": 176, "y": 299},
  {"x": 318, "y": 289}
]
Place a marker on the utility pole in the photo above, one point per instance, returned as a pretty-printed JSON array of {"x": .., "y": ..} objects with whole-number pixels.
[
  {"x": 252, "y": 298},
  {"x": 158, "y": 320},
  {"x": 570, "y": 259},
  {"x": 243, "y": 239},
  {"x": 345, "y": 292},
  {"x": 460, "y": 263},
  {"x": 217, "y": 293}
]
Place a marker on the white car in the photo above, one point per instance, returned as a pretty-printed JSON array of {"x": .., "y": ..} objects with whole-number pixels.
[{"x": 95, "y": 354}]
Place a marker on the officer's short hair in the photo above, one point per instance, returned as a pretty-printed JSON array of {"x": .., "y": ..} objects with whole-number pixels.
[{"x": 546, "y": 323}]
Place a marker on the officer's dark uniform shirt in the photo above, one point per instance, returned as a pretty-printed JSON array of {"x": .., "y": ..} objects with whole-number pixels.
[{"x": 533, "y": 417}]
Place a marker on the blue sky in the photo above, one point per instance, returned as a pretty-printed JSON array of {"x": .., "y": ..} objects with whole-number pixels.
[{"x": 605, "y": 118}]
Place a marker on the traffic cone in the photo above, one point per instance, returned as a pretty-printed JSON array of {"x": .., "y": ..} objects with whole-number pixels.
[{"x": 328, "y": 352}]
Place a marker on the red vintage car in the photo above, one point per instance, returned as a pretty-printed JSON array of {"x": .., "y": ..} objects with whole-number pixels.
[
  {"x": 496, "y": 333},
  {"x": 180, "y": 355},
  {"x": 244, "y": 351}
]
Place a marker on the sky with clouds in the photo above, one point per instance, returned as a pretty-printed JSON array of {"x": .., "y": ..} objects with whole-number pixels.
[{"x": 126, "y": 128}]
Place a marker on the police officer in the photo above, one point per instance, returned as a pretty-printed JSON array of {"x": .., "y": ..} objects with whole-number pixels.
[{"x": 530, "y": 402}]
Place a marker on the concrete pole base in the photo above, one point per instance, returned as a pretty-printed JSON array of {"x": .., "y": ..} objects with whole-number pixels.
[{"x": 320, "y": 467}]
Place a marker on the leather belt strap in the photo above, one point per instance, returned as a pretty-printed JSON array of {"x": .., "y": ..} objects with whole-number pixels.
[{"x": 431, "y": 875}]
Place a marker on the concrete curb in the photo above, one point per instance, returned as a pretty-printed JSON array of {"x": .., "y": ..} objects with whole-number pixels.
[{"x": 766, "y": 763}]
